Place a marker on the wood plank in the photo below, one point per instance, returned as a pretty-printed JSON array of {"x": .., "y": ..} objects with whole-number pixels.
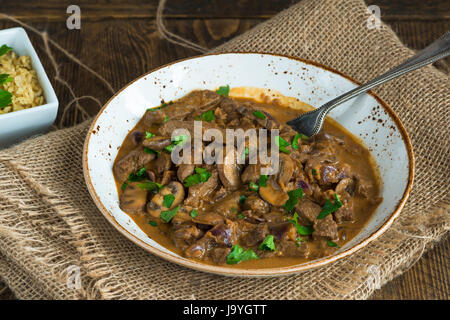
[{"x": 55, "y": 10}]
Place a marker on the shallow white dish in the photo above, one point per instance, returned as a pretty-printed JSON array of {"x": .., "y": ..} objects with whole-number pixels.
[
  {"x": 367, "y": 117},
  {"x": 18, "y": 125}
]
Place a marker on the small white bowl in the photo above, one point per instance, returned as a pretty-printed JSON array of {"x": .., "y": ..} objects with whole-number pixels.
[
  {"x": 18, "y": 125},
  {"x": 367, "y": 117}
]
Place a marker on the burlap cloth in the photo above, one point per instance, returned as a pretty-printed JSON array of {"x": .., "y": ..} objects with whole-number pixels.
[{"x": 48, "y": 222}]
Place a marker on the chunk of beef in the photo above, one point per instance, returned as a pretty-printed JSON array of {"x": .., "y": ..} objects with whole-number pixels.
[
  {"x": 198, "y": 249},
  {"x": 345, "y": 213},
  {"x": 184, "y": 171},
  {"x": 308, "y": 210},
  {"x": 184, "y": 235},
  {"x": 208, "y": 218},
  {"x": 133, "y": 161},
  {"x": 154, "y": 116},
  {"x": 157, "y": 143},
  {"x": 256, "y": 205},
  {"x": 283, "y": 231},
  {"x": 255, "y": 236},
  {"x": 200, "y": 191},
  {"x": 290, "y": 248},
  {"x": 223, "y": 234},
  {"x": 162, "y": 163},
  {"x": 326, "y": 227}
]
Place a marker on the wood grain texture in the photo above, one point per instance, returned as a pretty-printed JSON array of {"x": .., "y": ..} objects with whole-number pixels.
[{"x": 119, "y": 40}]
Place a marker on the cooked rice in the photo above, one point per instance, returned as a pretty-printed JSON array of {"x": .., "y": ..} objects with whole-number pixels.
[{"x": 25, "y": 88}]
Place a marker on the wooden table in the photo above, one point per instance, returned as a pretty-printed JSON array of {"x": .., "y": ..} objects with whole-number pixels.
[{"x": 120, "y": 41}]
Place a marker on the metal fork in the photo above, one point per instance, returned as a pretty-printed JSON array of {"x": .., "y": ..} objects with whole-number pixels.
[{"x": 310, "y": 123}]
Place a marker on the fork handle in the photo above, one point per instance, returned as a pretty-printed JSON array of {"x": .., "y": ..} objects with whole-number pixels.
[{"x": 435, "y": 51}]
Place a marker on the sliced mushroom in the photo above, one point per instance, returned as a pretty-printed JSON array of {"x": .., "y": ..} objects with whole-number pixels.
[
  {"x": 286, "y": 171},
  {"x": 209, "y": 218},
  {"x": 133, "y": 199},
  {"x": 155, "y": 206},
  {"x": 184, "y": 171},
  {"x": 229, "y": 171},
  {"x": 273, "y": 194},
  {"x": 167, "y": 177},
  {"x": 157, "y": 143},
  {"x": 251, "y": 173}
]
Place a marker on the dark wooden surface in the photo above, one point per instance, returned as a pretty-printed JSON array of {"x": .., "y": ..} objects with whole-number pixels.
[{"x": 119, "y": 40}]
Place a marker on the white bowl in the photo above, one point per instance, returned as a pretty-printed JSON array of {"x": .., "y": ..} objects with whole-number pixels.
[
  {"x": 18, "y": 125},
  {"x": 367, "y": 117}
]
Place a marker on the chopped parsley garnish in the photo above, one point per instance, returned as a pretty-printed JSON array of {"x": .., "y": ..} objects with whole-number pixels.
[
  {"x": 148, "y": 150},
  {"x": 166, "y": 119},
  {"x": 299, "y": 241},
  {"x": 233, "y": 209},
  {"x": 200, "y": 175},
  {"x": 330, "y": 207},
  {"x": 253, "y": 186},
  {"x": 259, "y": 114},
  {"x": 139, "y": 175},
  {"x": 4, "y": 49},
  {"x": 263, "y": 180},
  {"x": 314, "y": 172},
  {"x": 240, "y": 215},
  {"x": 4, "y": 78},
  {"x": 238, "y": 254},
  {"x": 168, "y": 215},
  {"x": 124, "y": 185},
  {"x": 294, "y": 196},
  {"x": 5, "y": 98},
  {"x": 153, "y": 223},
  {"x": 245, "y": 153},
  {"x": 194, "y": 213},
  {"x": 332, "y": 244},
  {"x": 301, "y": 230},
  {"x": 150, "y": 186},
  {"x": 282, "y": 144},
  {"x": 149, "y": 135},
  {"x": 208, "y": 116},
  {"x": 223, "y": 91},
  {"x": 168, "y": 200},
  {"x": 295, "y": 140},
  {"x": 268, "y": 244},
  {"x": 242, "y": 199},
  {"x": 177, "y": 140}
]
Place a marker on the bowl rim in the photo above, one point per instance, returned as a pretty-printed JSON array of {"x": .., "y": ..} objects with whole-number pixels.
[
  {"x": 44, "y": 81},
  {"x": 265, "y": 272}
]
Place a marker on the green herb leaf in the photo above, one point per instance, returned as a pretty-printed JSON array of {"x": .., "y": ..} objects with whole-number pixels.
[
  {"x": 238, "y": 254},
  {"x": 5, "y": 98},
  {"x": 330, "y": 207},
  {"x": 201, "y": 175},
  {"x": 208, "y": 116},
  {"x": 301, "y": 230},
  {"x": 148, "y": 150},
  {"x": 150, "y": 186},
  {"x": 246, "y": 151},
  {"x": 4, "y": 49},
  {"x": 194, "y": 213},
  {"x": 294, "y": 196},
  {"x": 177, "y": 140},
  {"x": 295, "y": 140},
  {"x": 124, "y": 185},
  {"x": 253, "y": 186},
  {"x": 268, "y": 244},
  {"x": 168, "y": 200},
  {"x": 168, "y": 215},
  {"x": 299, "y": 240},
  {"x": 4, "y": 78},
  {"x": 263, "y": 180},
  {"x": 223, "y": 91},
  {"x": 259, "y": 114},
  {"x": 166, "y": 119},
  {"x": 332, "y": 244},
  {"x": 149, "y": 135},
  {"x": 282, "y": 144},
  {"x": 139, "y": 175},
  {"x": 240, "y": 215},
  {"x": 314, "y": 172},
  {"x": 242, "y": 199},
  {"x": 153, "y": 223}
]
